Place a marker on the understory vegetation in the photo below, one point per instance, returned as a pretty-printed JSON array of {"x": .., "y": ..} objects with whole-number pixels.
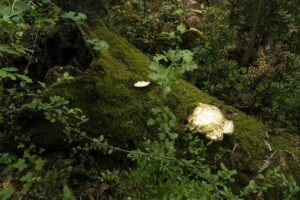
[
  {"x": 247, "y": 55},
  {"x": 44, "y": 47}
]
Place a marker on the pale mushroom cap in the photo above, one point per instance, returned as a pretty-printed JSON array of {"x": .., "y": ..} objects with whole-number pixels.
[
  {"x": 228, "y": 127},
  {"x": 209, "y": 120},
  {"x": 142, "y": 84},
  {"x": 205, "y": 114},
  {"x": 215, "y": 135}
]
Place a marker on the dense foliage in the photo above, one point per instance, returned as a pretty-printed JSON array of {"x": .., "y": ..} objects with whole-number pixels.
[
  {"x": 159, "y": 169},
  {"x": 247, "y": 51}
]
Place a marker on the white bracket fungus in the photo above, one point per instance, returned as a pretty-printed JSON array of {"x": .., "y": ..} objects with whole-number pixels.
[
  {"x": 141, "y": 84},
  {"x": 210, "y": 121}
]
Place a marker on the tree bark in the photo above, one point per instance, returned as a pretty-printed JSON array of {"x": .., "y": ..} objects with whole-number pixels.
[{"x": 255, "y": 32}]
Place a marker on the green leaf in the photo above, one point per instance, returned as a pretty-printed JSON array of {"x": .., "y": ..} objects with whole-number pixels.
[
  {"x": 181, "y": 28},
  {"x": 20, "y": 50},
  {"x": 76, "y": 17},
  {"x": 5, "y": 72},
  {"x": 27, "y": 177},
  {"x": 43, "y": 85},
  {"x": 252, "y": 184},
  {"x": 19, "y": 7},
  {"x": 6, "y": 192},
  {"x": 20, "y": 165},
  {"x": 223, "y": 167},
  {"x": 26, "y": 187},
  {"x": 200, "y": 33},
  {"x": 159, "y": 57},
  {"x": 24, "y": 78},
  {"x": 4, "y": 10},
  {"x": 9, "y": 69},
  {"x": 277, "y": 170},
  {"x": 151, "y": 122},
  {"x": 69, "y": 15},
  {"x": 81, "y": 17},
  {"x": 6, "y": 158},
  {"x": 39, "y": 164},
  {"x": 98, "y": 45},
  {"x": 7, "y": 49},
  {"x": 68, "y": 195},
  {"x": 187, "y": 55},
  {"x": 178, "y": 12}
]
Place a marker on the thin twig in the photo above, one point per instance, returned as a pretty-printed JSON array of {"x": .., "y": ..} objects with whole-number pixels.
[
  {"x": 34, "y": 45},
  {"x": 13, "y": 5}
]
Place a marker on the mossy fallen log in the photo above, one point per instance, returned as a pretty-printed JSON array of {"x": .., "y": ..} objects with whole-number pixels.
[{"x": 118, "y": 110}]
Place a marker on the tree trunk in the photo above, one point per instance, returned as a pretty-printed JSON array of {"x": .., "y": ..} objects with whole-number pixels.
[{"x": 255, "y": 32}]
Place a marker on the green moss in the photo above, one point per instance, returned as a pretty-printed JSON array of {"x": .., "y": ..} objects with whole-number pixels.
[
  {"x": 120, "y": 111},
  {"x": 131, "y": 58}
]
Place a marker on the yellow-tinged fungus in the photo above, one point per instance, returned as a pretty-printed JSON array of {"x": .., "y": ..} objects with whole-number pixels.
[{"x": 209, "y": 120}]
